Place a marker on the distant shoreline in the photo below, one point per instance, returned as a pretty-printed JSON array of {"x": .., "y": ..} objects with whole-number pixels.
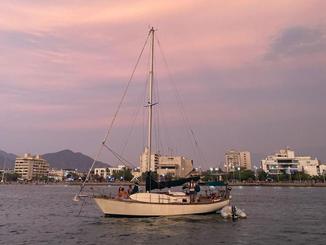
[
  {"x": 254, "y": 184},
  {"x": 281, "y": 184}
]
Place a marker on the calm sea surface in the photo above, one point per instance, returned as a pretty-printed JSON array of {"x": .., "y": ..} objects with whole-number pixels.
[{"x": 46, "y": 214}]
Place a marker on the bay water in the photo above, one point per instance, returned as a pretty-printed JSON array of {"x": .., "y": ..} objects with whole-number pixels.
[{"x": 47, "y": 214}]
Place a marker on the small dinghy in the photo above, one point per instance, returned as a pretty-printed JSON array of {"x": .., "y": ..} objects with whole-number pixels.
[{"x": 232, "y": 212}]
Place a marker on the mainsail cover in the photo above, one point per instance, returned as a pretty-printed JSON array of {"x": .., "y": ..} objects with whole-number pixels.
[
  {"x": 152, "y": 184},
  {"x": 216, "y": 183}
]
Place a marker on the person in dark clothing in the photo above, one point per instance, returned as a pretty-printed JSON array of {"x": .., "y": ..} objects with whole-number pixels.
[
  {"x": 192, "y": 191},
  {"x": 135, "y": 189}
]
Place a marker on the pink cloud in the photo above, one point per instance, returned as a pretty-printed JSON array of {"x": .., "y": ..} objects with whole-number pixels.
[{"x": 64, "y": 64}]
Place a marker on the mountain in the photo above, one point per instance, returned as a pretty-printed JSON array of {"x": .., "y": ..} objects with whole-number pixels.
[
  {"x": 65, "y": 159},
  {"x": 7, "y": 160},
  {"x": 69, "y": 159}
]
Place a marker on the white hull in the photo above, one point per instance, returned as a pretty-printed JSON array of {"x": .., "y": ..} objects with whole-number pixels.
[{"x": 118, "y": 207}]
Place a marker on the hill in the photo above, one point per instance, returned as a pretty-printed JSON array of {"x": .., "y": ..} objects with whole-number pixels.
[
  {"x": 7, "y": 160},
  {"x": 65, "y": 159},
  {"x": 69, "y": 159}
]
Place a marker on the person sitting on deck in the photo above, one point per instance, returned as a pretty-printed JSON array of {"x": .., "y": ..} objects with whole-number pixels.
[
  {"x": 122, "y": 194},
  {"x": 135, "y": 189},
  {"x": 119, "y": 195},
  {"x": 129, "y": 190},
  {"x": 197, "y": 189}
]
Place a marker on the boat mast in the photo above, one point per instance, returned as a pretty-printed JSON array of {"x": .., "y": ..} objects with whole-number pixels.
[{"x": 150, "y": 100}]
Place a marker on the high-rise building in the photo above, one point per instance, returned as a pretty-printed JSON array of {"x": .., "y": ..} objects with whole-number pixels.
[
  {"x": 237, "y": 159},
  {"x": 245, "y": 159},
  {"x": 144, "y": 161},
  {"x": 31, "y": 167}
]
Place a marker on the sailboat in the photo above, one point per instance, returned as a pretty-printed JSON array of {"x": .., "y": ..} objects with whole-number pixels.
[{"x": 151, "y": 203}]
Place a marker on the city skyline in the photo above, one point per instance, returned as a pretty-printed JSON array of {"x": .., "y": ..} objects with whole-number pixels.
[{"x": 251, "y": 74}]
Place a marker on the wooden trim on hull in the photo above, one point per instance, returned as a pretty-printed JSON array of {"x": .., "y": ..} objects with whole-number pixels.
[
  {"x": 114, "y": 207},
  {"x": 146, "y": 216}
]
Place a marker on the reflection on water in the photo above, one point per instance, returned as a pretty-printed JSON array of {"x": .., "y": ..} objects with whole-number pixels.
[{"x": 47, "y": 215}]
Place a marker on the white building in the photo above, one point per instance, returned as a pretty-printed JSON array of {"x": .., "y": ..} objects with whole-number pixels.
[
  {"x": 177, "y": 166},
  {"x": 308, "y": 165},
  {"x": 322, "y": 169},
  {"x": 285, "y": 162},
  {"x": 105, "y": 172},
  {"x": 31, "y": 167},
  {"x": 235, "y": 159},
  {"x": 56, "y": 174}
]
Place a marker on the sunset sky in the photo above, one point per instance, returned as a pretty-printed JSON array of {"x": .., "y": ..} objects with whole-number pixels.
[{"x": 251, "y": 75}]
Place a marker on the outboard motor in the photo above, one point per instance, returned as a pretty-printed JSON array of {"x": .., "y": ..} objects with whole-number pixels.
[{"x": 234, "y": 213}]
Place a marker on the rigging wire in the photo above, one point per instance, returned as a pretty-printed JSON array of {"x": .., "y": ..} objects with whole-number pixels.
[
  {"x": 166, "y": 133},
  {"x": 145, "y": 99},
  {"x": 156, "y": 114},
  {"x": 142, "y": 95},
  {"x": 81, "y": 207},
  {"x": 182, "y": 110},
  {"x": 125, "y": 91},
  {"x": 133, "y": 121},
  {"x": 114, "y": 118},
  {"x": 118, "y": 156}
]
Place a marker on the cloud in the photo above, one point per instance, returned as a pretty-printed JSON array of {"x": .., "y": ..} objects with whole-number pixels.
[
  {"x": 80, "y": 12},
  {"x": 64, "y": 65},
  {"x": 297, "y": 40}
]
